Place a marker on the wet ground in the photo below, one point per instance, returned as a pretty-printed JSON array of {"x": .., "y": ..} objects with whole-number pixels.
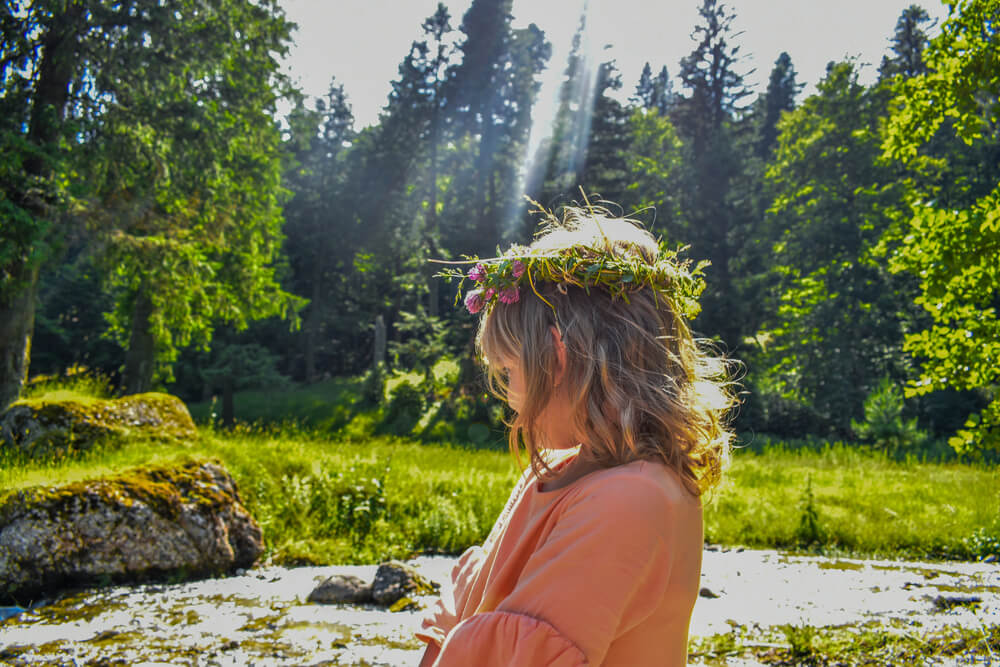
[{"x": 261, "y": 617}]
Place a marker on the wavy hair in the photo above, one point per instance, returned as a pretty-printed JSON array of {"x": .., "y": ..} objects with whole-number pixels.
[{"x": 640, "y": 386}]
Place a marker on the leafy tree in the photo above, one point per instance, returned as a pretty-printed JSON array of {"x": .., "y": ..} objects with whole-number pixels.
[
  {"x": 162, "y": 116},
  {"x": 951, "y": 240},
  {"x": 654, "y": 158},
  {"x": 70, "y": 326},
  {"x": 841, "y": 316},
  {"x": 38, "y": 53}
]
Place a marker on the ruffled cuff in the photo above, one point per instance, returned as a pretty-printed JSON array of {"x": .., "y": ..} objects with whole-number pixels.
[{"x": 506, "y": 638}]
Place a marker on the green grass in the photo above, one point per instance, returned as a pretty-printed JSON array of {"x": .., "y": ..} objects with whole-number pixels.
[
  {"x": 863, "y": 503},
  {"x": 327, "y": 488},
  {"x": 849, "y": 646},
  {"x": 325, "y": 405},
  {"x": 323, "y": 499}
]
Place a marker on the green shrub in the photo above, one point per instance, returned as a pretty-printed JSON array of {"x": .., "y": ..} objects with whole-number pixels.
[
  {"x": 406, "y": 404},
  {"x": 373, "y": 385},
  {"x": 884, "y": 426}
]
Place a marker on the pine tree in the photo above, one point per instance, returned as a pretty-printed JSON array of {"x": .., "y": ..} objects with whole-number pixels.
[
  {"x": 571, "y": 128},
  {"x": 655, "y": 93},
  {"x": 908, "y": 44},
  {"x": 780, "y": 97},
  {"x": 604, "y": 170},
  {"x": 477, "y": 100},
  {"x": 644, "y": 92},
  {"x": 318, "y": 216},
  {"x": 418, "y": 102},
  {"x": 663, "y": 93},
  {"x": 716, "y": 225}
]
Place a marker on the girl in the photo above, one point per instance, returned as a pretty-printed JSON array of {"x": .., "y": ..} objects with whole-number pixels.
[{"x": 597, "y": 556}]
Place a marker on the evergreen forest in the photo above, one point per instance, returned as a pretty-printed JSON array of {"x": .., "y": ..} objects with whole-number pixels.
[{"x": 176, "y": 215}]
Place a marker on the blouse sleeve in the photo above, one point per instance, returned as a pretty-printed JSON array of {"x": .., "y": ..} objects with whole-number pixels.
[
  {"x": 602, "y": 569},
  {"x": 443, "y": 615}
]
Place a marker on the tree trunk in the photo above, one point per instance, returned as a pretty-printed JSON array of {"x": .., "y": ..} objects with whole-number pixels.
[
  {"x": 378, "y": 351},
  {"x": 433, "y": 293},
  {"x": 228, "y": 407},
  {"x": 140, "y": 359},
  {"x": 17, "y": 322},
  {"x": 314, "y": 322},
  {"x": 17, "y": 307}
]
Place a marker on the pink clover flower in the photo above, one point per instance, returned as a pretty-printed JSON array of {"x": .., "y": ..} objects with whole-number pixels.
[
  {"x": 478, "y": 273},
  {"x": 474, "y": 301},
  {"x": 510, "y": 295}
]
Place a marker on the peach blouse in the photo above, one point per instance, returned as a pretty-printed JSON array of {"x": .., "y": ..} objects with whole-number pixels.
[{"x": 604, "y": 571}]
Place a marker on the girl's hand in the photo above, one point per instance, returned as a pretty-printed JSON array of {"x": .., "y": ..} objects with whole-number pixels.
[{"x": 430, "y": 655}]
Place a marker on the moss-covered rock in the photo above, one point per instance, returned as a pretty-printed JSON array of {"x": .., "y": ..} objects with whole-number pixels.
[
  {"x": 146, "y": 523},
  {"x": 42, "y": 426},
  {"x": 395, "y": 580}
]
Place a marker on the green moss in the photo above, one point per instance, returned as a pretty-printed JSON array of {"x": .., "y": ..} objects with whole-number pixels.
[
  {"x": 840, "y": 565},
  {"x": 63, "y": 422},
  {"x": 323, "y": 628},
  {"x": 262, "y": 623},
  {"x": 270, "y": 648},
  {"x": 162, "y": 488},
  {"x": 403, "y": 644},
  {"x": 110, "y": 638},
  {"x": 186, "y": 618},
  {"x": 13, "y": 650},
  {"x": 76, "y": 608},
  {"x": 404, "y": 604}
]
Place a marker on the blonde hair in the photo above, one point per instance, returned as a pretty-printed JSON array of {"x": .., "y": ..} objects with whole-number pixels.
[{"x": 640, "y": 386}]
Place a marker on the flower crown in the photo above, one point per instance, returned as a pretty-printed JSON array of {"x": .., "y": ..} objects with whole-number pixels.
[{"x": 502, "y": 278}]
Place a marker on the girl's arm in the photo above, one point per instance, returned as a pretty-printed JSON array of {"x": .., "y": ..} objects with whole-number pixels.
[
  {"x": 604, "y": 566},
  {"x": 430, "y": 655}
]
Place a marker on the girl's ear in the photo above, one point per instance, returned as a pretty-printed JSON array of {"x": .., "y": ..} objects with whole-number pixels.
[{"x": 560, "y": 347}]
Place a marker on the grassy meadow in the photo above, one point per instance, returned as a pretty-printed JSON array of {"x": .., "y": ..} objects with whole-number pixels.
[{"x": 353, "y": 496}]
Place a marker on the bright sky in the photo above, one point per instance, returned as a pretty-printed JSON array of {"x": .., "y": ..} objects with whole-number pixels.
[{"x": 362, "y": 42}]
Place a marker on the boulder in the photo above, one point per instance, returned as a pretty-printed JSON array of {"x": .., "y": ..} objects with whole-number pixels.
[
  {"x": 395, "y": 580},
  {"x": 39, "y": 427},
  {"x": 142, "y": 524},
  {"x": 342, "y": 589}
]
